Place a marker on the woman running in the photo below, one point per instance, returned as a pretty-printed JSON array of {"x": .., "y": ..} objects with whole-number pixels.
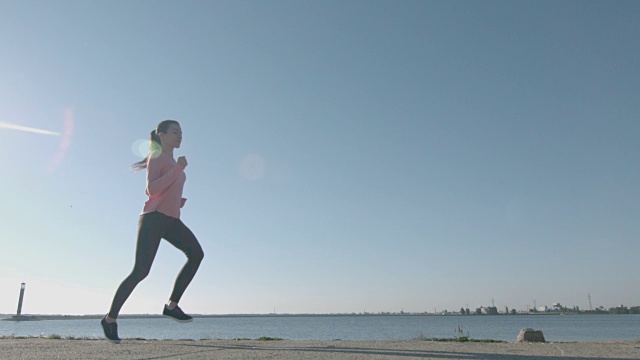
[{"x": 160, "y": 219}]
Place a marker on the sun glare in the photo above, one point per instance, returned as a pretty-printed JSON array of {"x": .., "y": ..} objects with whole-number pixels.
[
  {"x": 64, "y": 144},
  {"x": 9, "y": 126}
]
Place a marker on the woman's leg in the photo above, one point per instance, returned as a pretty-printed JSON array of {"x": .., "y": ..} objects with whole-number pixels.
[
  {"x": 151, "y": 228},
  {"x": 182, "y": 238}
]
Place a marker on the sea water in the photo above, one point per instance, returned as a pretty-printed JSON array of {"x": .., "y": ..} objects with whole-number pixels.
[{"x": 554, "y": 327}]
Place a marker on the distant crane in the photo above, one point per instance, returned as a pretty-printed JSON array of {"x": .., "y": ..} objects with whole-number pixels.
[{"x": 589, "y": 296}]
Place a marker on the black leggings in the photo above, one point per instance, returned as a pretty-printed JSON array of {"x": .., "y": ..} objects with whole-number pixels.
[{"x": 151, "y": 229}]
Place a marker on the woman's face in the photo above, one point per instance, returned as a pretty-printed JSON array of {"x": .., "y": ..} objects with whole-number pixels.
[{"x": 173, "y": 137}]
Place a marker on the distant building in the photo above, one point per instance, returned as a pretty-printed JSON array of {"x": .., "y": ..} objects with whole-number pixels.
[{"x": 489, "y": 310}]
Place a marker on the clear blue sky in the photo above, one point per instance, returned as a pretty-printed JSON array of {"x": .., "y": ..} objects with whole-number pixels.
[{"x": 344, "y": 156}]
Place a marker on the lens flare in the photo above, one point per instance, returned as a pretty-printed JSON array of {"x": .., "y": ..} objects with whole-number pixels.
[
  {"x": 65, "y": 142},
  {"x": 5, "y": 125},
  {"x": 141, "y": 148}
]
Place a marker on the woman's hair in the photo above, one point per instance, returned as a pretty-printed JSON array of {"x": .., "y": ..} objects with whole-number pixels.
[{"x": 155, "y": 146}]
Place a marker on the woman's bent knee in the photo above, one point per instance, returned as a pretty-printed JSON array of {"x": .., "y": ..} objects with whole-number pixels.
[
  {"x": 200, "y": 256},
  {"x": 196, "y": 255}
]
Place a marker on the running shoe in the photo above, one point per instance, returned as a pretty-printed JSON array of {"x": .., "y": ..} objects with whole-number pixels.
[
  {"x": 110, "y": 331},
  {"x": 176, "y": 314}
]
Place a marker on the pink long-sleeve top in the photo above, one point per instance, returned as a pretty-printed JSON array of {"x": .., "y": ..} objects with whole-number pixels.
[{"x": 165, "y": 181}]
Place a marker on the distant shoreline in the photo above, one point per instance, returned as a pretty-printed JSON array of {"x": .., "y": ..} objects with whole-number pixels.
[{"x": 41, "y": 317}]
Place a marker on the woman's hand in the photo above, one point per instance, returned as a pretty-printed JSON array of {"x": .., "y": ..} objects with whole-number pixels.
[
  {"x": 182, "y": 202},
  {"x": 182, "y": 161}
]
